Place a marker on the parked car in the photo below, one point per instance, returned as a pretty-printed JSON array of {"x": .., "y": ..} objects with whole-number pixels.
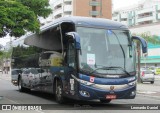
[
  {"x": 14, "y": 76},
  {"x": 147, "y": 76}
]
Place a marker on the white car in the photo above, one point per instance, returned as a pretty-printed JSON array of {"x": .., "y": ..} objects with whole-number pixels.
[{"x": 147, "y": 76}]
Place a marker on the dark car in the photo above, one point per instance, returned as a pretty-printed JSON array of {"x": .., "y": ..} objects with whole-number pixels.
[{"x": 14, "y": 76}]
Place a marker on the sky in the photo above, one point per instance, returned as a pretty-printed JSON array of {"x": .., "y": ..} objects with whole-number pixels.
[
  {"x": 116, "y": 5},
  {"x": 124, "y": 3}
]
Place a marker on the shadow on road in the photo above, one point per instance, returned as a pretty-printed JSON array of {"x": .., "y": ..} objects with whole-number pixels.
[{"x": 76, "y": 104}]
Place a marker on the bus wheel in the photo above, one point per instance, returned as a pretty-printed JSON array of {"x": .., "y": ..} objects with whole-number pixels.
[
  {"x": 20, "y": 87},
  {"x": 105, "y": 101},
  {"x": 59, "y": 93}
]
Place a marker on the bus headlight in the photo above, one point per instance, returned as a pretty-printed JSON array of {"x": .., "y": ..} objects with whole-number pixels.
[{"x": 132, "y": 83}]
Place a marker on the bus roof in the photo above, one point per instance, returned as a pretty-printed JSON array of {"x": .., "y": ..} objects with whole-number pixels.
[{"x": 86, "y": 21}]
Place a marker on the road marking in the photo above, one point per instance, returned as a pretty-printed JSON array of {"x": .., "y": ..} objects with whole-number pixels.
[
  {"x": 146, "y": 92},
  {"x": 12, "y": 100}
]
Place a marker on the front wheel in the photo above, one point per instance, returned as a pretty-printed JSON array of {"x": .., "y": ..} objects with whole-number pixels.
[
  {"x": 152, "y": 82},
  {"x": 59, "y": 93},
  {"x": 105, "y": 101}
]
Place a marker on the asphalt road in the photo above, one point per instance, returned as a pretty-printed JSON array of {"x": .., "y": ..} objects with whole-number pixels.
[{"x": 9, "y": 94}]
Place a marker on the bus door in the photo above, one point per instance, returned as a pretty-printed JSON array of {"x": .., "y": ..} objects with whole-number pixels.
[{"x": 70, "y": 60}]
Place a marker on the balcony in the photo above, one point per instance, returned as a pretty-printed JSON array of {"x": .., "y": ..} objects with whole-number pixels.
[
  {"x": 159, "y": 16},
  {"x": 147, "y": 10},
  {"x": 94, "y": 3},
  {"x": 125, "y": 15},
  {"x": 58, "y": 2},
  {"x": 58, "y": 12},
  {"x": 67, "y": 0},
  {"x": 68, "y": 8},
  {"x": 146, "y": 18},
  {"x": 158, "y": 8},
  {"x": 94, "y": 13}
]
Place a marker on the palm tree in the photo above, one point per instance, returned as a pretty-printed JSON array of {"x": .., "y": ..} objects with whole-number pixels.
[{"x": 150, "y": 39}]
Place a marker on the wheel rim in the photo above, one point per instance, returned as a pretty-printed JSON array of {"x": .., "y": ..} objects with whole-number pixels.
[{"x": 59, "y": 92}]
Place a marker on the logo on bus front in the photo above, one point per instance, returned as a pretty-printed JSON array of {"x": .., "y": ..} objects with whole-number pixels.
[{"x": 112, "y": 87}]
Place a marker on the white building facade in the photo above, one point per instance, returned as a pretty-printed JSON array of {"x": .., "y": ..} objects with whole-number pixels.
[
  {"x": 145, "y": 13},
  {"x": 61, "y": 8},
  {"x": 142, "y": 18}
]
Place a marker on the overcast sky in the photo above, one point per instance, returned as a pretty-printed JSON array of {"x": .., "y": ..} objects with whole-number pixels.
[
  {"x": 116, "y": 5},
  {"x": 124, "y": 3}
]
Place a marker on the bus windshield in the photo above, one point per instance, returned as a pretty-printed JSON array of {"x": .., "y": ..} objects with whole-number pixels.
[{"x": 106, "y": 51}]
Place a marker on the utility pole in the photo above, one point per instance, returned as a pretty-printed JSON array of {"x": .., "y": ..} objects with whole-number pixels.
[{"x": 139, "y": 61}]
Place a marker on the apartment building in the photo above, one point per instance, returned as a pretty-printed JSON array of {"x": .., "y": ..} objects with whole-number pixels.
[
  {"x": 146, "y": 12},
  {"x": 140, "y": 18},
  {"x": 87, "y": 8}
]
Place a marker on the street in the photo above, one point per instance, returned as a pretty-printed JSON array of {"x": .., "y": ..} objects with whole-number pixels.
[{"x": 9, "y": 94}]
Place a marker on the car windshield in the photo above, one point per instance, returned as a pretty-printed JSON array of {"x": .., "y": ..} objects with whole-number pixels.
[{"x": 102, "y": 49}]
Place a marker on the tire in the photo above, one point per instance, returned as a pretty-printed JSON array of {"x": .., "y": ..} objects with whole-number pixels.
[
  {"x": 141, "y": 81},
  {"x": 152, "y": 82},
  {"x": 105, "y": 101},
  {"x": 59, "y": 92}
]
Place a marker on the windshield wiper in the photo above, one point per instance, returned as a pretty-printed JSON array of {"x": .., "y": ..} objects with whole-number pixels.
[
  {"x": 121, "y": 49},
  {"x": 110, "y": 68}
]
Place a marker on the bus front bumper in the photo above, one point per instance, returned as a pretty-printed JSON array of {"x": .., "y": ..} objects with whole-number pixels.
[{"x": 89, "y": 93}]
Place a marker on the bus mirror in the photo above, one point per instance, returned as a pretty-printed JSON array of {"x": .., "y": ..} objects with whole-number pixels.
[
  {"x": 143, "y": 43},
  {"x": 75, "y": 36}
]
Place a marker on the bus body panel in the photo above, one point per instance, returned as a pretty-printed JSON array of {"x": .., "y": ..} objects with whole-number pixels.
[{"x": 44, "y": 60}]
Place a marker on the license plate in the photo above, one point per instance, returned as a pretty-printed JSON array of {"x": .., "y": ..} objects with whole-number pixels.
[{"x": 111, "y": 96}]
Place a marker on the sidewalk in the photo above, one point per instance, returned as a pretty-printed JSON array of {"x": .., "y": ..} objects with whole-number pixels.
[
  {"x": 148, "y": 90},
  {"x": 5, "y": 76},
  {"x": 157, "y": 77}
]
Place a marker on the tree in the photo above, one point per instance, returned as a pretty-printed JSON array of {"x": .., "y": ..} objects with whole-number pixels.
[
  {"x": 21, "y": 16},
  {"x": 39, "y": 7},
  {"x": 150, "y": 39}
]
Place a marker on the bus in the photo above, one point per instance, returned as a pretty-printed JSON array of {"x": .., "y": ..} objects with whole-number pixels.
[{"x": 81, "y": 58}]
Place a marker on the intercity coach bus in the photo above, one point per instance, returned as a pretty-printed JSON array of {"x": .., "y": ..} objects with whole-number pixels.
[{"x": 80, "y": 58}]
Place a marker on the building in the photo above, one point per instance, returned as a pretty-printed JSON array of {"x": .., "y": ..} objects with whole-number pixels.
[
  {"x": 144, "y": 13},
  {"x": 143, "y": 17},
  {"x": 87, "y": 8}
]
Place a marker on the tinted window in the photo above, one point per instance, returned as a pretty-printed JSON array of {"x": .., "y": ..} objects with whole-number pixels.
[{"x": 14, "y": 72}]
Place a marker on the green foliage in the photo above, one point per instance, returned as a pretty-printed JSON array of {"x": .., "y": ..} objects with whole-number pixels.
[
  {"x": 39, "y": 7},
  {"x": 5, "y": 54},
  {"x": 21, "y": 51},
  {"x": 154, "y": 39},
  {"x": 20, "y": 16}
]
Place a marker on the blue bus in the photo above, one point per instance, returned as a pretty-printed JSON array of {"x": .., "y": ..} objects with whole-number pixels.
[{"x": 80, "y": 58}]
